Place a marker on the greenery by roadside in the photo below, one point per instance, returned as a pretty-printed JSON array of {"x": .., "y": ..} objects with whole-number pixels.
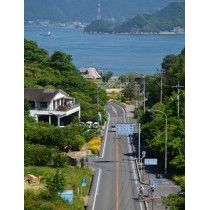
[{"x": 37, "y": 198}]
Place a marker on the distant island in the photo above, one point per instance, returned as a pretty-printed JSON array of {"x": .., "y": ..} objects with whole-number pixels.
[
  {"x": 66, "y": 12},
  {"x": 170, "y": 20}
]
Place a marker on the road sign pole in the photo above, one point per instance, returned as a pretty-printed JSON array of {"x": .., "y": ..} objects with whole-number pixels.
[
  {"x": 143, "y": 155},
  {"x": 139, "y": 143},
  {"x": 81, "y": 191}
]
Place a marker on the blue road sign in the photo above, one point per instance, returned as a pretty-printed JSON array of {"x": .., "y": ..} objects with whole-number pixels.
[
  {"x": 150, "y": 161},
  {"x": 158, "y": 181},
  {"x": 84, "y": 181},
  {"x": 124, "y": 129}
]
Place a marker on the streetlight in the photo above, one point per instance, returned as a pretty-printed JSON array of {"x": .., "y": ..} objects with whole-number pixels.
[{"x": 166, "y": 135}]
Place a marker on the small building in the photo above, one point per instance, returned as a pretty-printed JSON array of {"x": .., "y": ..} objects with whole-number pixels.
[
  {"x": 137, "y": 76},
  {"x": 52, "y": 105}
]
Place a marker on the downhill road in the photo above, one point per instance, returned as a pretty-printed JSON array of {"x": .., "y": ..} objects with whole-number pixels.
[{"x": 115, "y": 181}]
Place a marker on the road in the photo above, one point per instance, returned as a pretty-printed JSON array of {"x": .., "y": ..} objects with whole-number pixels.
[{"x": 115, "y": 181}]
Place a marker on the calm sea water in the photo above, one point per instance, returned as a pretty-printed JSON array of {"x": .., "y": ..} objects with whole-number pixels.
[{"x": 120, "y": 54}]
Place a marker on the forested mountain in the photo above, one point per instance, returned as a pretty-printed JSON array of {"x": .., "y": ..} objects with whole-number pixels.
[
  {"x": 167, "y": 19},
  {"x": 86, "y": 10}
]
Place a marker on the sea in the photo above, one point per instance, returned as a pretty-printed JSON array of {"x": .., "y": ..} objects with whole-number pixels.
[{"x": 118, "y": 53}]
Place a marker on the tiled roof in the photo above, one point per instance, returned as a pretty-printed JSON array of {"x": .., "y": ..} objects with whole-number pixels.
[{"x": 36, "y": 94}]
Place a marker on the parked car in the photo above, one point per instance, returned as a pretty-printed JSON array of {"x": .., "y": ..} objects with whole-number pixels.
[
  {"x": 113, "y": 128},
  {"x": 95, "y": 124}
]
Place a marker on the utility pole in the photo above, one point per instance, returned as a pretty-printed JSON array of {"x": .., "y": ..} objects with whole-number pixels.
[
  {"x": 161, "y": 90},
  {"x": 139, "y": 143},
  {"x": 120, "y": 88},
  {"x": 144, "y": 93},
  {"x": 161, "y": 84},
  {"x": 136, "y": 94},
  {"x": 139, "y": 104},
  {"x": 178, "y": 92}
]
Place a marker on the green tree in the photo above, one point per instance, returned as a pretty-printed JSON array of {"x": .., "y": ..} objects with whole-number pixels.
[
  {"x": 152, "y": 89},
  {"x": 61, "y": 61},
  {"x": 32, "y": 53},
  {"x": 59, "y": 160},
  {"x": 123, "y": 78},
  {"x": 37, "y": 155},
  {"x": 107, "y": 76},
  {"x": 56, "y": 184},
  {"x": 129, "y": 91},
  {"x": 174, "y": 202}
]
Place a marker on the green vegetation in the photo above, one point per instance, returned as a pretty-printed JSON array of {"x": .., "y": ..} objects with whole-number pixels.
[
  {"x": 164, "y": 20},
  {"x": 53, "y": 181},
  {"x": 57, "y": 71},
  {"x": 153, "y": 123},
  {"x": 45, "y": 145}
]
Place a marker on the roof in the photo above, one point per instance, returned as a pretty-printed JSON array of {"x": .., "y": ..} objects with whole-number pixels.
[
  {"x": 37, "y": 94},
  {"x": 136, "y": 75}
]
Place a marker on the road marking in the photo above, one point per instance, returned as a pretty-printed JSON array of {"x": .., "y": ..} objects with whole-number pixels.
[
  {"x": 106, "y": 135},
  {"x": 97, "y": 187},
  {"x": 114, "y": 109}
]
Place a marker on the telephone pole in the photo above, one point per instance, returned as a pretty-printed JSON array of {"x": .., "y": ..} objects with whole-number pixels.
[
  {"x": 144, "y": 93},
  {"x": 161, "y": 87},
  {"x": 178, "y": 92}
]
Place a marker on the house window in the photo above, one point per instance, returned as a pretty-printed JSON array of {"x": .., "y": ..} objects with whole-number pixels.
[{"x": 43, "y": 104}]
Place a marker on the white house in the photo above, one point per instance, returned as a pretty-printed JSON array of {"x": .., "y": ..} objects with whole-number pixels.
[{"x": 52, "y": 105}]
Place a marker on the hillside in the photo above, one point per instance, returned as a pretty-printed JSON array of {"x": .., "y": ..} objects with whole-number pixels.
[
  {"x": 86, "y": 10},
  {"x": 58, "y": 72},
  {"x": 167, "y": 19}
]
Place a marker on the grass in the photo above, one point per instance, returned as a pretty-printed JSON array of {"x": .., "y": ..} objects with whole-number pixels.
[{"x": 73, "y": 176}]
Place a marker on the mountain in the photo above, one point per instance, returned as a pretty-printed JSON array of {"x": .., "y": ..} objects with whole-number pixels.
[
  {"x": 170, "y": 19},
  {"x": 86, "y": 10}
]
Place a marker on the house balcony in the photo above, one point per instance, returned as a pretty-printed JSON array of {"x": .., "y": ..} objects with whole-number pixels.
[{"x": 60, "y": 111}]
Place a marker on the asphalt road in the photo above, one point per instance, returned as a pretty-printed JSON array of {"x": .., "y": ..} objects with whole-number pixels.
[
  {"x": 115, "y": 181},
  {"x": 114, "y": 186}
]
